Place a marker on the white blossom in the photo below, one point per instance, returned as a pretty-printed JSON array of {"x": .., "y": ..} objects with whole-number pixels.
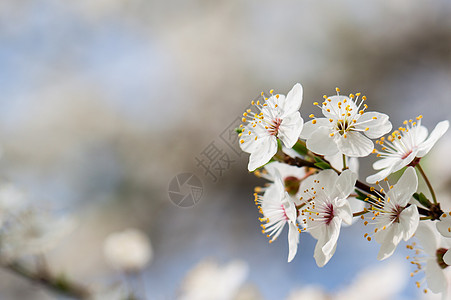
[
  {"x": 277, "y": 118},
  {"x": 394, "y": 220},
  {"x": 403, "y": 146},
  {"x": 34, "y": 232},
  {"x": 278, "y": 209},
  {"x": 325, "y": 208},
  {"x": 128, "y": 251},
  {"x": 429, "y": 258},
  {"x": 346, "y": 128}
]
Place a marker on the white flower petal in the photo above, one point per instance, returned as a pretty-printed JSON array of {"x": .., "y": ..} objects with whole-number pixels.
[
  {"x": 293, "y": 101},
  {"x": 384, "y": 163},
  {"x": 309, "y": 127},
  {"x": 331, "y": 237},
  {"x": 293, "y": 240},
  {"x": 290, "y": 129},
  {"x": 379, "y": 176},
  {"x": 326, "y": 178},
  {"x": 333, "y": 106},
  {"x": 344, "y": 211},
  {"x": 427, "y": 238},
  {"x": 376, "y": 127},
  {"x": 389, "y": 239},
  {"x": 444, "y": 226},
  {"x": 268, "y": 147},
  {"x": 435, "y": 277},
  {"x": 437, "y": 133},
  {"x": 320, "y": 257},
  {"x": 409, "y": 220},
  {"x": 421, "y": 133},
  {"x": 404, "y": 189},
  {"x": 355, "y": 144},
  {"x": 321, "y": 143},
  {"x": 447, "y": 258},
  {"x": 345, "y": 184}
]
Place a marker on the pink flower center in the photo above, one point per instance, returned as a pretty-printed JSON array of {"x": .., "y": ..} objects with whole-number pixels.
[
  {"x": 285, "y": 213},
  {"x": 273, "y": 128},
  {"x": 329, "y": 213},
  {"x": 406, "y": 154}
]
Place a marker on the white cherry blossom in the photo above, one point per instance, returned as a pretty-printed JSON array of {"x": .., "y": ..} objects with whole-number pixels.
[
  {"x": 393, "y": 219},
  {"x": 278, "y": 209},
  {"x": 346, "y": 128},
  {"x": 403, "y": 146},
  {"x": 325, "y": 208},
  {"x": 430, "y": 257},
  {"x": 277, "y": 118}
]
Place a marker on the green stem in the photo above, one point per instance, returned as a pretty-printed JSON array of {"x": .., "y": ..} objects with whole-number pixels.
[
  {"x": 344, "y": 162},
  {"x": 428, "y": 183}
]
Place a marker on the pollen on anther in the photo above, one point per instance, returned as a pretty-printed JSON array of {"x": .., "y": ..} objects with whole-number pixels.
[{"x": 313, "y": 121}]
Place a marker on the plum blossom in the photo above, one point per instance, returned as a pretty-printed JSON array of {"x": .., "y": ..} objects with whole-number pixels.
[
  {"x": 346, "y": 128},
  {"x": 33, "y": 232},
  {"x": 277, "y": 118},
  {"x": 393, "y": 218},
  {"x": 325, "y": 208},
  {"x": 278, "y": 209},
  {"x": 403, "y": 146},
  {"x": 432, "y": 256}
]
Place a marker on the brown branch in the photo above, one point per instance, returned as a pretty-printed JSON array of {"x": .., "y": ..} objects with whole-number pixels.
[{"x": 60, "y": 285}]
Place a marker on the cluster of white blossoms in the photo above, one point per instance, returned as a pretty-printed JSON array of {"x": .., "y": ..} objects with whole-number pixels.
[{"x": 312, "y": 179}]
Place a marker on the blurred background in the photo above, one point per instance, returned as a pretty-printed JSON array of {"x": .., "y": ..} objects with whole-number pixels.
[{"x": 105, "y": 101}]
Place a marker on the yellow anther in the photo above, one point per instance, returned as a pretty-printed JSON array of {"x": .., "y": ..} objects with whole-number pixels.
[
  {"x": 271, "y": 91},
  {"x": 315, "y": 103},
  {"x": 337, "y": 89},
  {"x": 313, "y": 121},
  {"x": 311, "y": 116}
]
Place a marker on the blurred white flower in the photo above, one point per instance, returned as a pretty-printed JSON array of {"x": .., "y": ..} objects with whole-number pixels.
[
  {"x": 325, "y": 208},
  {"x": 277, "y": 118},
  {"x": 346, "y": 128},
  {"x": 403, "y": 146},
  {"x": 33, "y": 232},
  {"x": 208, "y": 280},
  {"x": 12, "y": 201},
  {"x": 394, "y": 221},
  {"x": 278, "y": 209},
  {"x": 128, "y": 251}
]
